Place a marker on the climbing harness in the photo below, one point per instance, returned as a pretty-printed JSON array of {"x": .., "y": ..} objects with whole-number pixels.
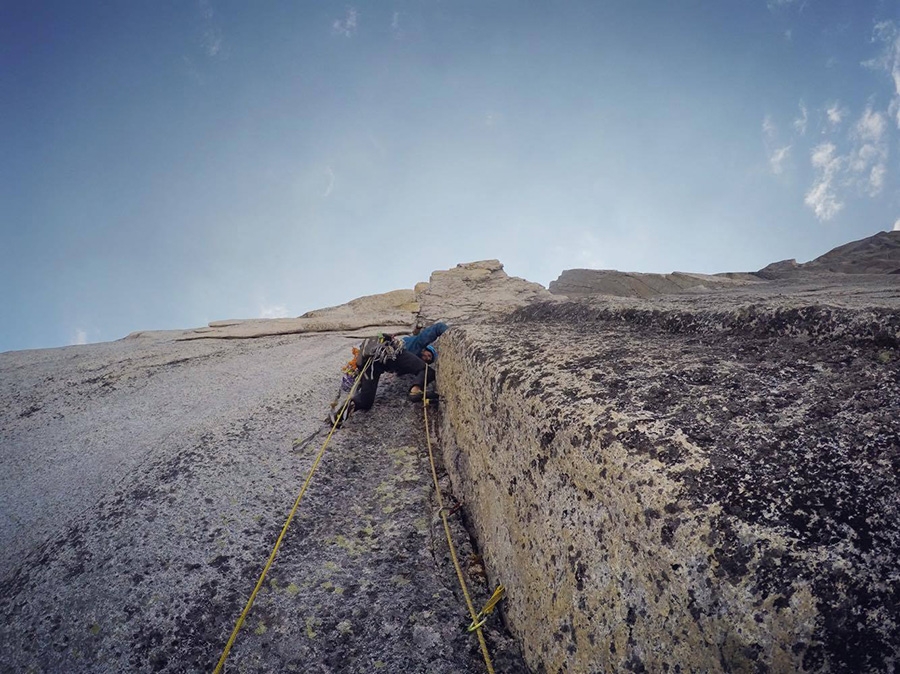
[
  {"x": 388, "y": 350},
  {"x": 287, "y": 523},
  {"x": 479, "y": 618}
]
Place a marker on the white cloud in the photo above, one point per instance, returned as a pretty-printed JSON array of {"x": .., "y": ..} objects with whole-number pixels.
[
  {"x": 823, "y": 200},
  {"x": 876, "y": 179},
  {"x": 212, "y": 41},
  {"x": 871, "y": 126},
  {"x": 330, "y": 187},
  {"x": 822, "y": 197},
  {"x": 887, "y": 33},
  {"x": 396, "y": 31},
  {"x": 779, "y": 155},
  {"x": 346, "y": 26},
  {"x": 800, "y": 122},
  {"x": 897, "y": 225},
  {"x": 869, "y": 158},
  {"x": 788, "y": 34},
  {"x": 80, "y": 336},
  {"x": 213, "y": 37},
  {"x": 861, "y": 170},
  {"x": 823, "y": 157},
  {"x": 768, "y": 127},
  {"x": 274, "y": 311},
  {"x": 206, "y": 9},
  {"x": 778, "y": 158},
  {"x": 835, "y": 113}
]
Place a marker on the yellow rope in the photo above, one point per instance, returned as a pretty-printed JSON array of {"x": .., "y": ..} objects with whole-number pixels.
[
  {"x": 265, "y": 571},
  {"x": 443, "y": 512}
]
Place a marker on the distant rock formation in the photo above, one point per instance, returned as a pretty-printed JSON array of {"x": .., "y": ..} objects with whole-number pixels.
[
  {"x": 878, "y": 254},
  {"x": 394, "y": 311},
  {"x": 468, "y": 292},
  {"x": 475, "y": 291},
  {"x": 586, "y": 282}
]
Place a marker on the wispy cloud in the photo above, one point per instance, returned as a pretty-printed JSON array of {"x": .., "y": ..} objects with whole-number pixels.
[
  {"x": 396, "y": 30},
  {"x": 779, "y": 154},
  {"x": 778, "y": 158},
  {"x": 213, "y": 39},
  {"x": 330, "y": 187},
  {"x": 801, "y": 121},
  {"x": 768, "y": 127},
  {"x": 861, "y": 170},
  {"x": 822, "y": 197},
  {"x": 871, "y": 126},
  {"x": 206, "y": 10},
  {"x": 835, "y": 114},
  {"x": 346, "y": 26},
  {"x": 868, "y": 160},
  {"x": 887, "y": 34},
  {"x": 80, "y": 336},
  {"x": 273, "y": 311}
]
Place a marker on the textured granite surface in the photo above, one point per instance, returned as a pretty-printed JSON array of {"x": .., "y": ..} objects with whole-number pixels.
[
  {"x": 475, "y": 291},
  {"x": 877, "y": 254},
  {"x": 576, "y": 283},
  {"x": 144, "y": 482},
  {"x": 667, "y": 486}
]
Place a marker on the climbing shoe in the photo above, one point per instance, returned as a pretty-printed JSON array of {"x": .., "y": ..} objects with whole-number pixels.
[
  {"x": 417, "y": 397},
  {"x": 338, "y": 416}
]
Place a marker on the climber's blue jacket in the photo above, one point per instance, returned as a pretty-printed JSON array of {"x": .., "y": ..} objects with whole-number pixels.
[{"x": 415, "y": 343}]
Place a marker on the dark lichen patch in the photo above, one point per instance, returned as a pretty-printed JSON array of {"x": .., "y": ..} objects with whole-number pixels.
[{"x": 784, "y": 422}]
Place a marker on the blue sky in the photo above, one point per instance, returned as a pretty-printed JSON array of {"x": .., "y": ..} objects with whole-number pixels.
[{"x": 165, "y": 164}]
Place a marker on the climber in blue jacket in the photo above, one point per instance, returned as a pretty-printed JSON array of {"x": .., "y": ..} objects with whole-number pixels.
[{"x": 417, "y": 354}]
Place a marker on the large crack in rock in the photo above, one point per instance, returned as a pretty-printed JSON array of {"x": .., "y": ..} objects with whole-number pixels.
[
  {"x": 141, "y": 560},
  {"x": 666, "y": 490}
]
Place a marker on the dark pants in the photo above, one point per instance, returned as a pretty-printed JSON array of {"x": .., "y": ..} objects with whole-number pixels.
[{"x": 404, "y": 363}]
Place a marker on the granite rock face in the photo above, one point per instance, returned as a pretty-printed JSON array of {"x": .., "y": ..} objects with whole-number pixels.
[
  {"x": 575, "y": 283},
  {"x": 143, "y": 484},
  {"x": 694, "y": 486},
  {"x": 694, "y": 482},
  {"x": 475, "y": 291},
  {"x": 875, "y": 255},
  {"x": 364, "y": 315},
  {"x": 878, "y": 254}
]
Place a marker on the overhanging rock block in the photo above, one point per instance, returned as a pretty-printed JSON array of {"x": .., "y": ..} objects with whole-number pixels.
[{"x": 711, "y": 495}]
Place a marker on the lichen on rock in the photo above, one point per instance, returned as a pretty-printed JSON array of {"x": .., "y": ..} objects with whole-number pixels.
[{"x": 663, "y": 489}]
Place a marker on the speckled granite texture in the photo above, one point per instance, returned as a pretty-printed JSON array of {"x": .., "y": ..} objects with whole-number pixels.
[
  {"x": 143, "y": 483},
  {"x": 692, "y": 486}
]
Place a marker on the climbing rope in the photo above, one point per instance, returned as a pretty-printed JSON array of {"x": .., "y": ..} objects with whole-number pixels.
[
  {"x": 265, "y": 571},
  {"x": 478, "y": 619}
]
